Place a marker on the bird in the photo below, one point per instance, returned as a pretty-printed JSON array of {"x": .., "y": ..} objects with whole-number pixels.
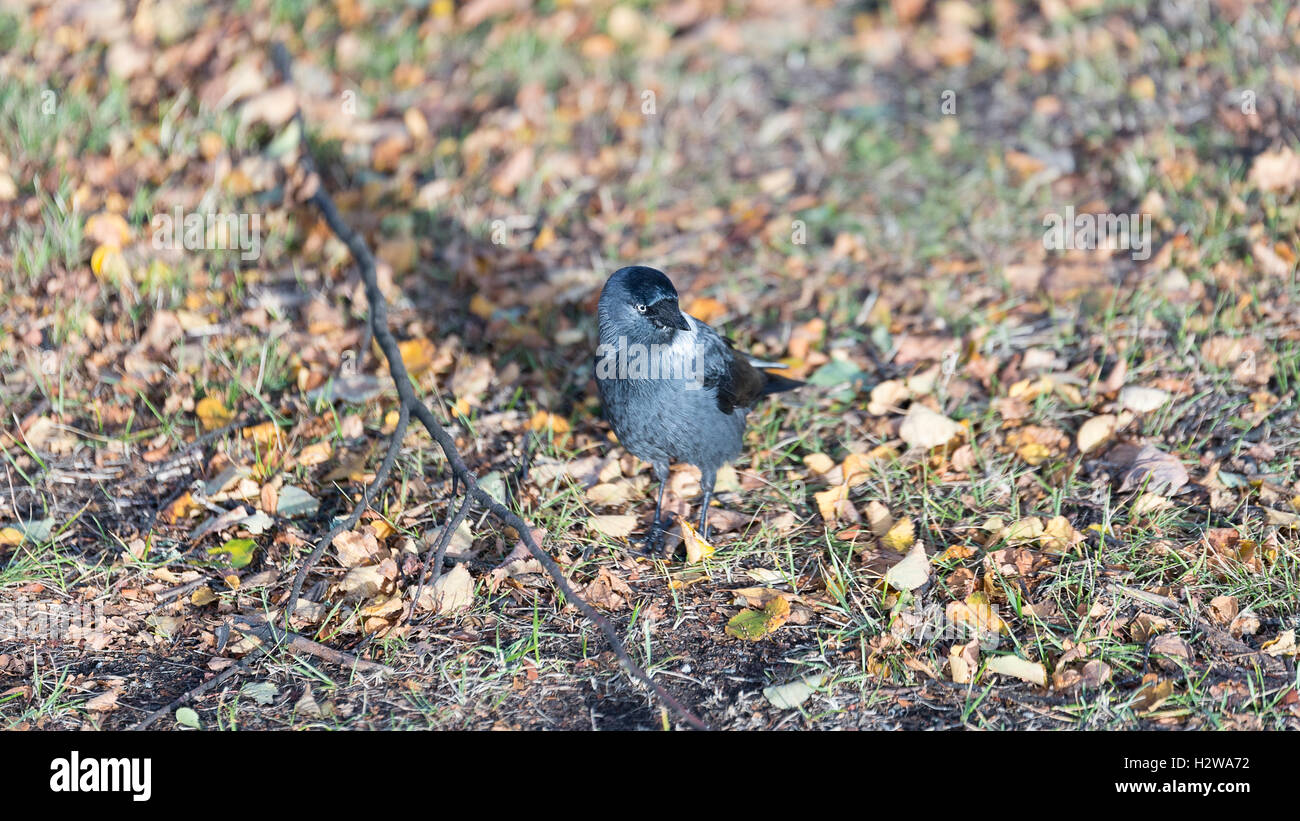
[{"x": 672, "y": 388}]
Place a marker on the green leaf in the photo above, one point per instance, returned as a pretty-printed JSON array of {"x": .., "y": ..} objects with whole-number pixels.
[
  {"x": 239, "y": 551},
  {"x": 263, "y": 692},
  {"x": 752, "y": 625},
  {"x": 187, "y": 718}
]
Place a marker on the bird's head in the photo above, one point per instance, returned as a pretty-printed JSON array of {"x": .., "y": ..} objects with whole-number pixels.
[{"x": 642, "y": 299}]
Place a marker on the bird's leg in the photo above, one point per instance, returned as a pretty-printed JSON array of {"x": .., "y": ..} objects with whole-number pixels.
[
  {"x": 707, "y": 481},
  {"x": 654, "y": 540}
]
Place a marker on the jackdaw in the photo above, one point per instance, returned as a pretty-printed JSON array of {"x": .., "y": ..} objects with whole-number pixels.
[{"x": 673, "y": 389}]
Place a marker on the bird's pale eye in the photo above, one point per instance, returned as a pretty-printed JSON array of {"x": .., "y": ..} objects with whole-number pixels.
[{"x": 640, "y": 308}]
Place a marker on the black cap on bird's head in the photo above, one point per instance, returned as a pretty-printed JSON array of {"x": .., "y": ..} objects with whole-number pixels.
[{"x": 643, "y": 295}]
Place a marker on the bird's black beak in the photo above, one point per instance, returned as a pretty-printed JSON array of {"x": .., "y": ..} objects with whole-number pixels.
[{"x": 666, "y": 314}]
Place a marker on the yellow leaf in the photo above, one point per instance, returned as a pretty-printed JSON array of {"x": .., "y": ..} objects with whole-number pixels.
[
  {"x": 900, "y": 536},
  {"x": 818, "y": 462},
  {"x": 11, "y": 537},
  {"x": 977, "y": 612},
  {"x": 1033, "y": 453},
  {"x": 481, "y": 307},
  {"x": 1029, "y": 671},
  {"x": 417, "y": 355},
  {"x": 545, "y": 420},
  {"x": 212, "y": 413},
  {"x": 827, "y": 499},
  {"x": 697, "y": 550},
  {"x": 706, "y": 309},
  {"x": 107, "y": 261}
]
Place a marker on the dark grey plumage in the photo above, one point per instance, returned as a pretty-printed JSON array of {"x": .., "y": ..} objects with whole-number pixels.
[{"x": 689, "y": 403}]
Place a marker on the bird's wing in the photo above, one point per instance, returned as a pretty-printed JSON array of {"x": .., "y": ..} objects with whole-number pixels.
[{"x": 734, "y": 375}]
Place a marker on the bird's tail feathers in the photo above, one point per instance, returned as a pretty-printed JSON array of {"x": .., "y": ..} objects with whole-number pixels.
[{"x": 777, "y": 384}]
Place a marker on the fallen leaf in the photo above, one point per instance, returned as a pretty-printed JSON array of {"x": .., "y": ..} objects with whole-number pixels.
[
  {"x": 925, "y": 429},
  {"x": 454, "y": 591},
  {"x": 1283, "y": 645},
  {"x": 1155, "y": 471},
  {"x": 1096, "y": 432},
  {"x": 697, "y": 549},
  {"x": 963, "y": 661},
  {"x": 1142, "y": 400},
  {"x": 752, "y": 625},
  {"x": 1030, "y": 671},
  {"x": 212, "y": 414},
  {"x": 239, "y": 552},
  {"x": 913, "y": 571},
  {"x": 615, "y": 526},
  {"x": 790, "y": 695}
]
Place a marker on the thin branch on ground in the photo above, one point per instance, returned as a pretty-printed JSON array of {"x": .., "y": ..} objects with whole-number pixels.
[{"x": 411, "y": 404}]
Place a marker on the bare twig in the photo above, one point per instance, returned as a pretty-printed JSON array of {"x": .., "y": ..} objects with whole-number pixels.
[
  {"x": 266, "y": 631},
  {"x": 410, "y": 403}
]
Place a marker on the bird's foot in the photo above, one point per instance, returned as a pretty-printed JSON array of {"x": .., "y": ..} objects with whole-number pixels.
[{"x": 652, "y": 545}]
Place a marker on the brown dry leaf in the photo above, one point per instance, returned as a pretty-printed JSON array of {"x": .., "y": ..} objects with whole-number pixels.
[
  {"x": 760, "y": 596},
  {"x": 925, "y": 429},
  {"x": 107, "y": 230},
  {"x": 315, "y": 454},
  {"x": 179, "y": 509},
  {"x": 1143, "y": 400},
  {"x": 1059, "y": 536},
  {"x": 1223, "y": 609},
  {"x": 888, "y": 396},
  {"x": 963, "y": 661},
  {"x": 103, "y": 702},
  {"x": 818, "y": 462},
  {"x": 607, "y": 591},
  {"x": 1283, "y": 645},
  {"x": 1154, "y": 471},
  {"x": 879, "y": 518},
  {"x": 513, "y": 171},
  {"x": 706, "y": 309},
  {"x": 1171, "y": 650},
  {"x": 829, "y": 499},
  {"x": 354, "y": 549},
  {"x": 275, "y": 107},
  {"x": 615, "y": 526},
  {"x": 1154, "y": 692},
  {"x": 611, "y": 494},
  {"x": 454, "y": 591},
  {"x": 368, "y": 581},
  {"x": 1276, "y": 170},
  {"x": 417, "y": 355},
  {"x": 1096, "y": 673}
]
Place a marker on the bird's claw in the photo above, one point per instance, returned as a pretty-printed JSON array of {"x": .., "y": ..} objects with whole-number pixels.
[{"x": 652, "y": 544}]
